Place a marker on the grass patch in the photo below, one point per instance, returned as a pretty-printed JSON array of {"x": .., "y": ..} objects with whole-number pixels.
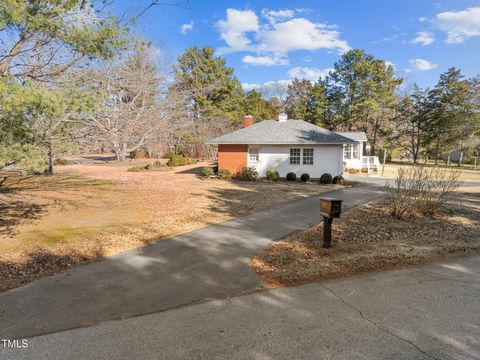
[{"x": 370, "y": 239}]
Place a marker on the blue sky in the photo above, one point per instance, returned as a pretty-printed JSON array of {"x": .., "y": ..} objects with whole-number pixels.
[{"x": 268, "y": 41}]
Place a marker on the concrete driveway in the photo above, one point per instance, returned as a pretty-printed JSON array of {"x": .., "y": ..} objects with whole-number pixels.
[
  {"x": 210, "y": 263},
  {"x": 428, "y": 312}
]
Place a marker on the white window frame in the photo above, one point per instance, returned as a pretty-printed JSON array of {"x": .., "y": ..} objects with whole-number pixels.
[
  {"x": 309, "y": 157},
  {"x": 294, "y": 158},
  {"x": 351, "y": 151},
  {"x": 253, "y": 155},
  {"x": 356, "y": 151}
]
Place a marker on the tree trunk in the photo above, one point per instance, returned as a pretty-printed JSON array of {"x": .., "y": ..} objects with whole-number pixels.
[
  {"x": 437, "y": 151},
  {"x": 118, "y": 154},
  {"x": 50, "y": 160},
  {"x": 123, "y": 153}
]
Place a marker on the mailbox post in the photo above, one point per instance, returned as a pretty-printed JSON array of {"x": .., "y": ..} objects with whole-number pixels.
[{"x": 330, "y": 208}]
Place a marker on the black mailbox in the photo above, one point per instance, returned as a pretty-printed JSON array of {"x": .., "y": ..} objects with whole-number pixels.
[{"x": 330, "y": 207}]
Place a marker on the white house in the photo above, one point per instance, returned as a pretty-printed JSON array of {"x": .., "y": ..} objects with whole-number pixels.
[
  {"x": 283, "y": 145},
  {"x": 354, "y": 155}
]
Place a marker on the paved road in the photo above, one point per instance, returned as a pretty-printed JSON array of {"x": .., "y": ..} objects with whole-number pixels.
[
  {"x": 210, "y": 263},
  {"x": 429, "y": 312}
]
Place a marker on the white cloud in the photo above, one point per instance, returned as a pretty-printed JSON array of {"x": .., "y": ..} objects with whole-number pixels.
[
  {"x": 186, "y": 27},
  {"x": 311, "y": 74},
  {"x": 389, "y": 63},
  {"x": 264, "y": 60},
  {"x": 422, "y": 19},
  {"x": 459, "y": 25},
  {"x": 422, "y": 64},
  {"x": 234, "y": 29},
  {"x": 423, "y": 38},
  {"x": 275, "y": 15},
  {"x": 242, "y": 30},
  {"x": 268, "y": 86},
  {"x": 300, "y": 34}
]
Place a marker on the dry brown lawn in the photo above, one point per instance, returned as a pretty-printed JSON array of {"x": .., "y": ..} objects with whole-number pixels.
[
  {"x": 88, "y": 211},
  {"x": 466, "y": 174},
  {"x": 369, "y": 239}
]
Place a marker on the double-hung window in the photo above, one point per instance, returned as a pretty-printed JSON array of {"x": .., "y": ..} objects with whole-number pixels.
[
  {"x": 253, "y": 154},
  {"x": 307, "y": 156},
  {"x": 351, "y": 151},
  {"x": 355, "y": 151},
  {"x": 347, "y": 152},
  {"x": 295, "y": 156}
]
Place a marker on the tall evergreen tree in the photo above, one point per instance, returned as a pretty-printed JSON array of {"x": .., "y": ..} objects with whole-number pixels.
[
  {"x": 258, "y": 107},
  {"x": 42, "y": 41},
  {"x": 213, "y": 90},
  {"x": 297, "y": 97},
  {"x": 364, "y": 87},
  {"x": 450, "y": 113}
]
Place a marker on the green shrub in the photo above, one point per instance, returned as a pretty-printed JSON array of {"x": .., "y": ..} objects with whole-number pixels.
[
  {"x": 207, "y": 171},
  {"x": 224, "y": 174},
  {"x": 136, "y": 169},
  {"x": 291, "y": 176},
  {"x": 326, "y": 179},
  {"x": 247, "y": 174},
  {"x": 272, "y": 175},
  {"x": 178, "y": 160},
  {"x": 139, "y": 154},
  {"x": 60, "y": 161},
  {"x": 339, "y": 180},
  {"x": 305, "y": 177}
]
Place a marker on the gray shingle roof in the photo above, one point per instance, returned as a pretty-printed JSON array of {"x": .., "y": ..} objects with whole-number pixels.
[
  {"x": 278, "y": 132},
  {"x": 355, "y": 135}
]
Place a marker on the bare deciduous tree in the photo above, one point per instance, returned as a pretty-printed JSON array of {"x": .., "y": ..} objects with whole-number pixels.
[{"x": 131, "y": 109}]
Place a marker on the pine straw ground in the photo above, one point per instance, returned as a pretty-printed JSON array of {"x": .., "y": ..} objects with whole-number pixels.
[
  {"x": 370, "y": 239},
  {"x": 88, "y": 211}
]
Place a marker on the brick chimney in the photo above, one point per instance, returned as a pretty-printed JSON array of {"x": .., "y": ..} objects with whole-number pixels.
[{"x": 248, "y": 121}]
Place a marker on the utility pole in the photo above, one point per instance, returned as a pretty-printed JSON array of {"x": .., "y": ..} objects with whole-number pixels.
[{"x": 384, "y": 160}]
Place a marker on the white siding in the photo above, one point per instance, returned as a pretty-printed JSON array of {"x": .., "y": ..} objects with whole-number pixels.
[{"x": 327, "y": 159}]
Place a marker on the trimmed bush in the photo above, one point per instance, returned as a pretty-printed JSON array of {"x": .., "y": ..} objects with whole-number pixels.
[
  {"x": 178, "y": 160},
  {"x": 291, "y": 176},
  {"x": 272, "y": 175},
  {"x": 224, "y": 174},
  {"x": 339, "y": 180},
  {"x": 305, "y": 177},
  {"x": 139, "y": 154},
  {"x": 60, "y": 161},
  {"x": 326, "y": 179},
  {"x": 207, "y": 171},
  {"x": 247, "y": 174}
]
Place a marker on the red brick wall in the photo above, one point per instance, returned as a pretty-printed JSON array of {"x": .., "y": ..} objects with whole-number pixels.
[{"x": 232, "y": 157}]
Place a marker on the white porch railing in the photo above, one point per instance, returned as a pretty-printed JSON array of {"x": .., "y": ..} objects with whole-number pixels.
[{"x": 370, "y": 163}]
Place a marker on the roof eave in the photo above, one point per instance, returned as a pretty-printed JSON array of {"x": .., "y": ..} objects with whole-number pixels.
[{"x": 277, "y": 143}]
